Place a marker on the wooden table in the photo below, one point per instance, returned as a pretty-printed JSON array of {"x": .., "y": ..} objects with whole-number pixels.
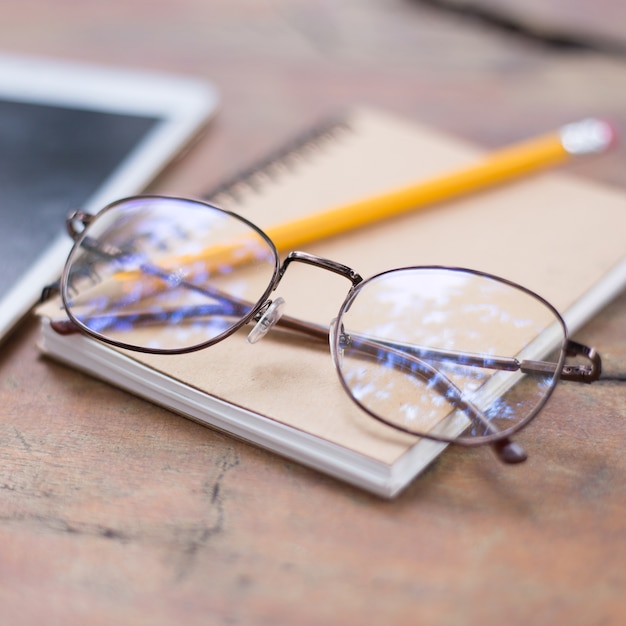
[{"x": 113, "y": 511}]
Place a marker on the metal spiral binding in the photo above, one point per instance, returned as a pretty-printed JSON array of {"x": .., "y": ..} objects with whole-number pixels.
[{"x": 269, "y": 168}]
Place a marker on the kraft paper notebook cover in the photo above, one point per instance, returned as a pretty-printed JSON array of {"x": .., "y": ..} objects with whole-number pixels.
[{"x": 557, "y": 235}]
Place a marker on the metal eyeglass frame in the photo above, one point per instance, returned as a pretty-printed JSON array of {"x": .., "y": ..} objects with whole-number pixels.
[{"x": 266, "y": 314}]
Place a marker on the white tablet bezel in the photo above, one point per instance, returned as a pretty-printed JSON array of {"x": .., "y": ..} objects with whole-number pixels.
[{"x": 184, "y": 105}]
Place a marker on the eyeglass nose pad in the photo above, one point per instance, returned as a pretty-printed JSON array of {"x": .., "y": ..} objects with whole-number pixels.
[
  {"x": 271, "y": 315},
  {"x": 336, "y": 350}
]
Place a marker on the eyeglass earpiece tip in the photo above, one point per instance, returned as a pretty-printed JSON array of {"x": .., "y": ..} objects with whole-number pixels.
[{"x": 510, "y": 452}]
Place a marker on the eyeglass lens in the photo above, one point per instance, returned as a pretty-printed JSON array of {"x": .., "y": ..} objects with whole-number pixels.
[
  {"x": 165, "y": 274},
  {"x": 449, "y": 353}
]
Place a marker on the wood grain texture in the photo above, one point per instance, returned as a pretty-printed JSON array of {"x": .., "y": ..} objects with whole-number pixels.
[{"x": 115, "y": 511}]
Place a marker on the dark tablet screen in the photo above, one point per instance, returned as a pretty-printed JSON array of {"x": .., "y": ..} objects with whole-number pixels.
[{"x": 52, "y": 159}]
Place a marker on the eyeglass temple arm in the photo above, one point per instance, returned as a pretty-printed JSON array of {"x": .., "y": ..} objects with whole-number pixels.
[
  {"x": 507, "y": 450},
  {"x": 586, "y": 373}
]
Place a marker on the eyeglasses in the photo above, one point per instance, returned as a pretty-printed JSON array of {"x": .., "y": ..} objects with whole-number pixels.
[{"x": 450, "y": 354}]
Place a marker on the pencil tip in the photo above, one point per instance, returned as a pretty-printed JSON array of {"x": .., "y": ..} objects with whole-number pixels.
[{"x": 588, "y": 136}]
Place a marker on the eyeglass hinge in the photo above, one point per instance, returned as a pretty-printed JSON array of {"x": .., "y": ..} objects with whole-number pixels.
[
  {"x": 74, "y": 218},
  {"x": 582, "y": 373}
]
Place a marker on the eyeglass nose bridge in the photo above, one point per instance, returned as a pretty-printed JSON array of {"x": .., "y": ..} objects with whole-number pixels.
[
  {"x": 321, "y": 262},
  {"x": 271, "y": 312}
]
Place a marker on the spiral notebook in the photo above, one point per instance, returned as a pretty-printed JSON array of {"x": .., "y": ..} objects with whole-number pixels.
[{"x": 560, "y": 236}]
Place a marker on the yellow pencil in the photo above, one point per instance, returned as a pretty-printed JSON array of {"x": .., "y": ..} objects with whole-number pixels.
[{"x": 584, "y": 137}]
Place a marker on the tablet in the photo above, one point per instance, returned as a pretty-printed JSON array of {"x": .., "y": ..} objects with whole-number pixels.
[{"x": 77, "y": 136}]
